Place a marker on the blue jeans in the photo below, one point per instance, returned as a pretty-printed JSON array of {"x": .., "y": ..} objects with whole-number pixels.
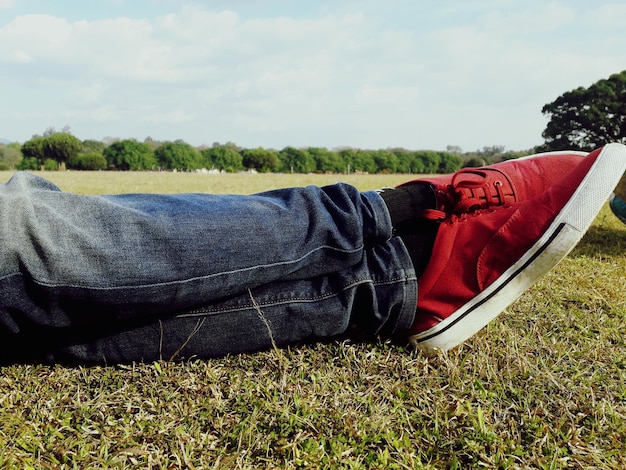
[{"x": 144, "y": 277}]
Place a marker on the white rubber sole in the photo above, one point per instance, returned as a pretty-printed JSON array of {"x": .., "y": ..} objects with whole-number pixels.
[{"x": 560, "y": 238}]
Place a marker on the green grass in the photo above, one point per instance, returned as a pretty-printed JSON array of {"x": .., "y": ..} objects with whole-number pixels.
[{"x": 543, "y": 386}]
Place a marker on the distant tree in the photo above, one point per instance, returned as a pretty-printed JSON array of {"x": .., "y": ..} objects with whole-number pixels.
[
  {"x": 178, "y": 155},
  {"x": 348, "y": 155},
  {"x": 454, "y": 149},
  {"x": 93, "y": 146},
  {"x": 449, "y": 163},
  {"x": 51, "y": 165},
  {"x": 150, "y": 142},
  {"x": 404, "y": 159},
  {"x": 363, "y": 160},
  {"x": 296, "y": 160},
  {"x": 430, "y": 161},
  {"x": 33, "y": 152},
  {"x": 358, "y": 160},
  {"x": 587, "y": 118},
  {"x": 10, "y": 156},
  {"x": 60, "y": 147},
  {"x": 491, "y": 151},
  {"x": 260, "y": 159},
  {"x": 88, "y": 161},
  {"x": 327, "y": 161},
  {"x": 475, "y": 162},
  {"x": 222, "y": 157},
  {"x": 130, "y": 155},
  {"x": 512, "y": 154},
  {"x": 108, "y": 140},
  {"x": 386, "y": 161},
  {"x": 29, "y": 164}
]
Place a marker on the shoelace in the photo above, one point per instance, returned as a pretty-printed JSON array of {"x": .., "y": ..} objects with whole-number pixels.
[{"x": 466, "y": 196}]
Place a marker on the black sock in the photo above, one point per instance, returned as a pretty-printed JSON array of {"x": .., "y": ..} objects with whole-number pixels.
[
  {"x": 419, "y": 238},
  {"x": 406, "y": 205}
]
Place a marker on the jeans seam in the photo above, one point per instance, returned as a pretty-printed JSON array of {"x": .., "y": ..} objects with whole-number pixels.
[
  {"x": 356, "y": 282},
  {"x": 186, "y": 280}
]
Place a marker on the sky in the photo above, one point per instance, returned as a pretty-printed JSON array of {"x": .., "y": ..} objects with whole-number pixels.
[{"x": 371, "y": 74}]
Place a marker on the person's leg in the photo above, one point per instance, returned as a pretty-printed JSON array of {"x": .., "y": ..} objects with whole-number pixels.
[
  {"x": 618, "y": 200},
  {"x": 67, "y": 259},
  {"x": 376, "y": 297},
  {"x": 620, "y": 190},
  {"x": 136, "y": 265}
]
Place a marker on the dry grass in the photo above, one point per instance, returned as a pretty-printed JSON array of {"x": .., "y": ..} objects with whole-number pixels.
[
  {"x": 543, "y": 386},
  {"x": 239, "y": 183}
]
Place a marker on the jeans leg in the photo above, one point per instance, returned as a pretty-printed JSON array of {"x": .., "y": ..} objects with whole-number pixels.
[
  {"x": 68, "y": 259},
  {"x": 377, "y": 295}
]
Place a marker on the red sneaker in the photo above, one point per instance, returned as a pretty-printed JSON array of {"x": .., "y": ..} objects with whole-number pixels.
[
  {"x": 483, "y": 260},
  {"x": 507, "y": 182}
]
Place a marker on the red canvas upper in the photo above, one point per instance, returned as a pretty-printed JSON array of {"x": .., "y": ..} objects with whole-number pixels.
[
  {"x": 474, "y": 249},
  {"x": 502, "y": 183}
]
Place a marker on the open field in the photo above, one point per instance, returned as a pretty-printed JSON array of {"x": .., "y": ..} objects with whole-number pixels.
[
  {"x": 543, "y": 386},
  {"x": 240, "y": 183}
]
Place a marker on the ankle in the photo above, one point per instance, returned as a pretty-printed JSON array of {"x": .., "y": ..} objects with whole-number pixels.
[{"x": 408, "y": 202}]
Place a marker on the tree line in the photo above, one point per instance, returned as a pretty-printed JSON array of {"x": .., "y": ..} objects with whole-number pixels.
[
  {"x": 61, "y": 150},
  {"x": 580, "y": 119}
]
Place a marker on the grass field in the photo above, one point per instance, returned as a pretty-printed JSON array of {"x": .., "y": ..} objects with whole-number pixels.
[{"x": 543, "y": 386}]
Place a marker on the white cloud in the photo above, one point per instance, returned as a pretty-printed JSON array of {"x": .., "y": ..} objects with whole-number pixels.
[
  {"x": 6, "y": 4},
  {"x": 343, "y": 77},
  {"x": 38, "y": 36}
]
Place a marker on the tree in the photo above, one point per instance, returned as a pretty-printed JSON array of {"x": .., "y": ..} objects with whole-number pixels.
[
  {"x": 430, "y": 161},
  {"x": 587, "y": 118},
  {"x": 178, "y": 155},
  {"x": 222, "y": 157},
  {"x": 130, "y": 155},
  {"x": 29, "y": 164},
  {"x": 297, "y": 160},
  {"x": 10, "y": 156},
  {"x": 50, "y": 165},
  {"x": 93, "y": 146},
  {"x": 386, "y": 161},
  {"x": 449, "y": 163},
  {"x": 404, "y": 160},
  {"x": 260, "y": 159},
  {"x": 363, "y": 160},
  {"x": 150, "y": 142},
  {"x": 33, "y": 153},
  {"x": 60, "y": 147},
  {"x": 88, "y": 161},
  {"x": 327, "y": 161}
]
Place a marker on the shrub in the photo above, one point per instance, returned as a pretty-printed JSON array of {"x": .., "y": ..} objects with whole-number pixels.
[
  {"x": 28, "y": 164},
  {"x": 88, "y": 161},
  {"x": 50, "y": 165}
]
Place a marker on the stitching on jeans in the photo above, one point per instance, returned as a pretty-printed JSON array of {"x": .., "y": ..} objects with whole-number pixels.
[
  {"x": 191, "y": 279},
  {"x": 356, "y": 282}
]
